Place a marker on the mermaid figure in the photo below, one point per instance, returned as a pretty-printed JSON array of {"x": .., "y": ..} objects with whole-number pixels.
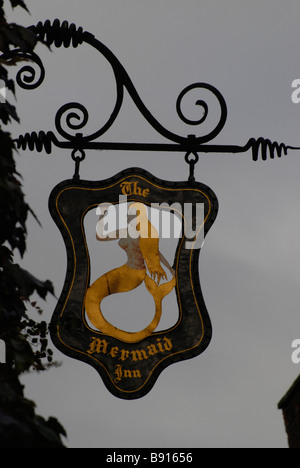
[{"x": 143, "y": 254}]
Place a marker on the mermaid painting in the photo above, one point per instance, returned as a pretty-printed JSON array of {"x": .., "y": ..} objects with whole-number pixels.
[{"x": 144, "y": 265}]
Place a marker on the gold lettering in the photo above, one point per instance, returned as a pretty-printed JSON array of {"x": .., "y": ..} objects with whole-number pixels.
[
  {"x": 114, "y": 352},
  {"x": 121, "y": 373},
  {"x": 137, "y": 190},
  {"x": 118, "y": 373},
  {"x": 168, "y": 344},
  {"x": 152, "y": 350},
  {"x": 126, "y": 188},
  {"x": 133, "y": 188},
  {"x": 98, "y": 346},
  {"x": 124, "y": 355},
  {"x": 161, "y": 349},
  {"x": 139, "y": 355}
]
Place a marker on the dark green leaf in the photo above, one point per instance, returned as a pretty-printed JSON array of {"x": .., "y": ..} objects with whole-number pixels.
[{"x": 15, "y": 3}]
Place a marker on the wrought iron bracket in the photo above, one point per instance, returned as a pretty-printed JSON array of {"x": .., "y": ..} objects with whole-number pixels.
[{"x": 76, "y": 115}]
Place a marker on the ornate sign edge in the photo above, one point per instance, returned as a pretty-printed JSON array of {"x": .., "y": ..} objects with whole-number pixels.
[{"x": 75, "y": 329}]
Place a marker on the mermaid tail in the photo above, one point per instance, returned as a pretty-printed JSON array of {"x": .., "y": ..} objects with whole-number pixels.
[
  {"x": 158, "y": 293},
  {"x": 124, "y": 279}
]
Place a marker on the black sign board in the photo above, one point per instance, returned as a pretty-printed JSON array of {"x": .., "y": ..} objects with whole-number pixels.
[{"x": 130, "y": 362}]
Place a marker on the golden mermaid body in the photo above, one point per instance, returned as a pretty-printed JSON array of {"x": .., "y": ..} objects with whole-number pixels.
[{"x": 143, "y": 254}]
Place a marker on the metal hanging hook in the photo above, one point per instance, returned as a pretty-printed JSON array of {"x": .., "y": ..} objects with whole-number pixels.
[
  {"x": 78, "y": 160},
  {"x": 192, "y": 163}
]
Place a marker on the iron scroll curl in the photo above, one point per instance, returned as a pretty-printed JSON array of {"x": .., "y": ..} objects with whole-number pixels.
[
  {"x": 27, "y": 77},
  {"x": 63, "y": 34}
]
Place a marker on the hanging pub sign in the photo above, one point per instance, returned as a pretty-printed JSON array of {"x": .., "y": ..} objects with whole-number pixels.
[
  {"x": 133, "y": 211},
  {"x": 133, "y": 241}
]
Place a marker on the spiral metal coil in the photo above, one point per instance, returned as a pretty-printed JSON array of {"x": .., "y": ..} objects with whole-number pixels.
[
  {"x": 39, "y": 142},
  {"x": 266, "y": 148},
  {"x": 74, "y": 116},
  {"x": 59, "y": 34}
]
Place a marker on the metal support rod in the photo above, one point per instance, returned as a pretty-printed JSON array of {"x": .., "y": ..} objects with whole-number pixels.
[{"x": 73, "y": 117}]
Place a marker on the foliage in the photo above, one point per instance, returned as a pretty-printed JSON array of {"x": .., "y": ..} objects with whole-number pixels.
[{"x": 26, "y": 340}]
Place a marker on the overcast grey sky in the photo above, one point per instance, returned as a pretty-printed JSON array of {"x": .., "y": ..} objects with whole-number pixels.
[{"x": 250, "y": 264}]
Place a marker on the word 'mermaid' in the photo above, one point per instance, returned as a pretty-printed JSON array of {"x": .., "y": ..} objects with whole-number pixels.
[{"x": 101, "y": 346}]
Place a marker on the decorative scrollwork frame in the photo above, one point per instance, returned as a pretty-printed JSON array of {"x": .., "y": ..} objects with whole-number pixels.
[{"x": 76, "y": 115}]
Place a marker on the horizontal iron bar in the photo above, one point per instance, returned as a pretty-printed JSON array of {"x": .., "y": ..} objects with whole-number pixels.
[
  {"x": 44, "y": 141},
  {"x": 157, "y": 147}
]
